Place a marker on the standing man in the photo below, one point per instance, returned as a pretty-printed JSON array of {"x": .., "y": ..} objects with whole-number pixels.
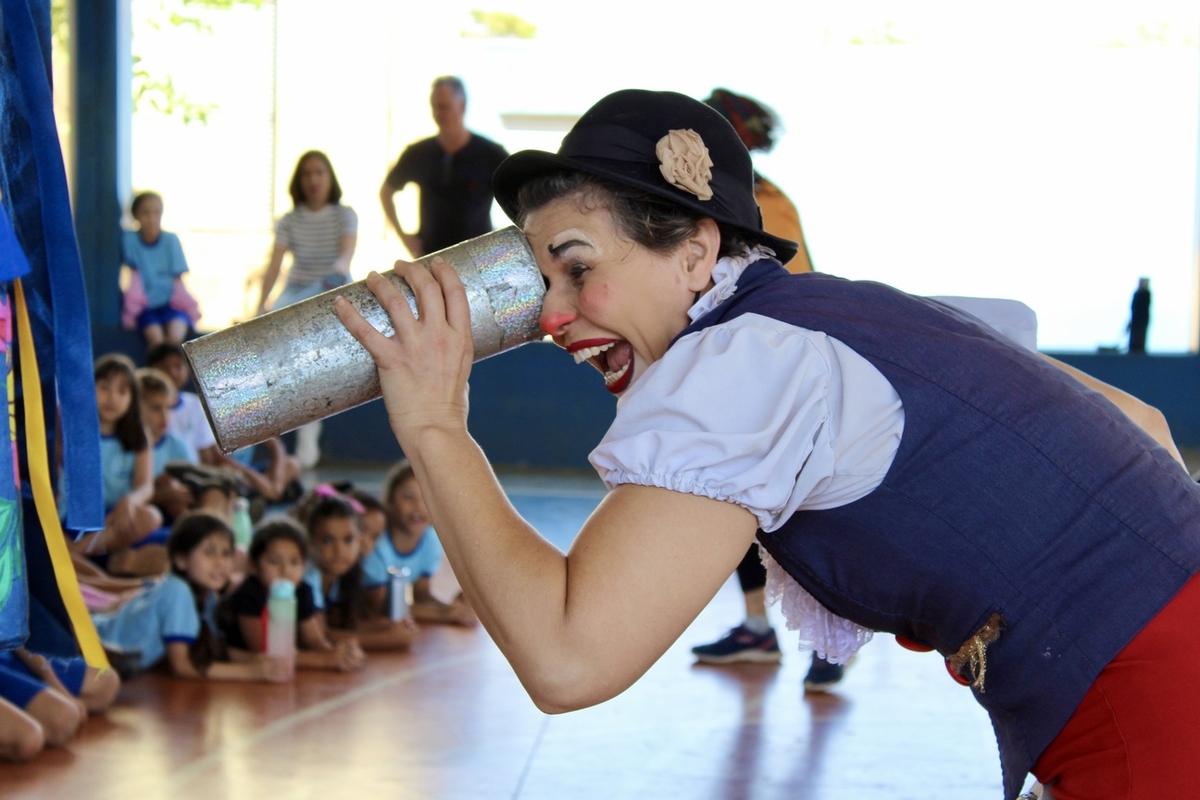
[
  {"x": 454, "y": 173},
  {"x": 1139, "y": 317}
]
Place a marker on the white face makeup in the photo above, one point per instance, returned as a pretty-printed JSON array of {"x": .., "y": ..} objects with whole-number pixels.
[{"x": 609, "y": 301}]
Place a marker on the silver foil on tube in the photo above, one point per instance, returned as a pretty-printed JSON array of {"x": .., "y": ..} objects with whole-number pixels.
[{"x": 274, "y": 373}]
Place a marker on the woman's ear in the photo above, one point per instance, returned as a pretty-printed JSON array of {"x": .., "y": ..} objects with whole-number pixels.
[{"x": 701, "y": 251}]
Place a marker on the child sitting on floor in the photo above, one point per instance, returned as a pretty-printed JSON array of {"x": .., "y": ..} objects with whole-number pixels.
[
  {"x": 126, "y": 463},
  {"x": 410, "y": 543},
  {"x": 372, "y": 517},
  {"x": 171, "y": 496},
  {"x": 279, "y": 551},
  {"x": 335, "y": 573},
  {"x": 173, "y": 620},
  {"x": 21, "y": 736}
]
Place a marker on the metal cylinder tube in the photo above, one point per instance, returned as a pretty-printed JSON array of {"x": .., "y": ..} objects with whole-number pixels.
[{"x": 299, "y": 364}]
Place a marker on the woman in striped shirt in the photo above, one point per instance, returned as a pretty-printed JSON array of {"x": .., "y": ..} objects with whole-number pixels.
[{"x": 319, "y": 232}]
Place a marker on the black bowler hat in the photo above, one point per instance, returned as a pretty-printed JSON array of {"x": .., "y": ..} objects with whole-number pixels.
[{"x": 665, "y": 143}]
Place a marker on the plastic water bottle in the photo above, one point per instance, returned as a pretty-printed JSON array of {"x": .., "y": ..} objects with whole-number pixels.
[
  {"x": 243, "y": 527},
  {"x": 400, "y": 589},
  {"x": 281, "y": 620}
]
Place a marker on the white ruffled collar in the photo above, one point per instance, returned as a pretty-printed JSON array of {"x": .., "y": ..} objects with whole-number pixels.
[{"x": 725, "y": 274}]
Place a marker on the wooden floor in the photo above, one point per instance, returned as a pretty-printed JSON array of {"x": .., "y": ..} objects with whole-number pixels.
[{"x": 449, "y": 720}]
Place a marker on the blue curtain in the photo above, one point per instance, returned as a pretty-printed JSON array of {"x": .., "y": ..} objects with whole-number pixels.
[{"x": 37, "y": 243}]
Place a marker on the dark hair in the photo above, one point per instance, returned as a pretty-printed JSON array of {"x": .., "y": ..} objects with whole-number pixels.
[
  {"x": 454, "y": 82},
  {"x": 152, "y": 381},
  {"x": 162, "y": 351},
  {"x": 367, "y": 500},
  {"x": 296, "y": 187},
  {"x": 351, "y": 603},
  {"x": 142, "y": 197},
  {"x": 188, "y": 533},
  {"x": 316, "y": 506},
  {"x": 128, "y": 428},
  {"x": 272, "y": 529},
  {"x": 644, "y": 218}
]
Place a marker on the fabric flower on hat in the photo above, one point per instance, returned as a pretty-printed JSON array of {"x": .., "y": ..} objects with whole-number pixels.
[{"x": 685, "y": 162}]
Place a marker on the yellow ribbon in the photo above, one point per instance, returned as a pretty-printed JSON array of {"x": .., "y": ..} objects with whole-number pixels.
[{"x": 43, "y": 494}]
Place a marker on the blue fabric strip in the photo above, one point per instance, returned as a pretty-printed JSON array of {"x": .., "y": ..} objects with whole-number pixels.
[{"x": 42, "y": 217}]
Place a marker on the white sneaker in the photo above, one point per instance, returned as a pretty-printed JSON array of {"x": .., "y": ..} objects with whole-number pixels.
[{"x": 308, "y": 447}]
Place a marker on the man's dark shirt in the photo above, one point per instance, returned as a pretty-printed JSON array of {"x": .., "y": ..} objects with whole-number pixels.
[{"x": 456, "y": 189}]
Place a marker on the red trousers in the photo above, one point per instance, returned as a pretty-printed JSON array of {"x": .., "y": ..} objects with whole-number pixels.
[{"x": 1136, "y": 735}]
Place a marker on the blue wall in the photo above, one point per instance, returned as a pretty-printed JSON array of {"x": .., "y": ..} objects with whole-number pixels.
[{"x": 531, "y": 407}]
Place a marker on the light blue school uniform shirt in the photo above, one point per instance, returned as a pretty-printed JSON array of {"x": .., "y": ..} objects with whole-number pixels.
[
  {"x": 164, "y": 613},
  {"x": 171, "y": 448},
  {"x": 116, "y": 475},
  {"x": 158, "y": 264},
  {"x": 422, "y": 562},
  {"x": 116, "y": 468}
]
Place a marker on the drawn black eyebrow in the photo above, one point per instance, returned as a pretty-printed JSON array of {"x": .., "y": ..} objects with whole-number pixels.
[{"x": 556, "y": 249}]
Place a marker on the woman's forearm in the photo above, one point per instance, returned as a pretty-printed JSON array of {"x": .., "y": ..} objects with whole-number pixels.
[
  {"x": 271, "y": 275},
  {"x": 345, "y": 254},
  {"x": 579, "y": 628},
  {"x": 522, "y": 604}
]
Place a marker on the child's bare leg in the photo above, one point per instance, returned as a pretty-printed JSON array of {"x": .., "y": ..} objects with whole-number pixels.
[
  {"x": 21, "y": 736},
  {"x": 59, "y": 716},
  {"x": 148, "y": 561},
  {"x": 40, "y": 667},
  {"x": 176, "y": 330},
  {"x": 147, "y": 519},
  {"x": 119, "y": 535},
  {"x": 100, "y": 688},
  {"x": 88, "y": 573},
  {"x": 153, "y": 334},
  {"x": 125, "y": 527}
]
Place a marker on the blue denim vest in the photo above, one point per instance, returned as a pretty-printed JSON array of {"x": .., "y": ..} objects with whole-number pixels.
[{"x": 1015, "y": 492}]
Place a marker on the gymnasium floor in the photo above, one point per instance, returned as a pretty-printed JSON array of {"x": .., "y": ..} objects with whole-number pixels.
[{"x": 449, "y": 720}]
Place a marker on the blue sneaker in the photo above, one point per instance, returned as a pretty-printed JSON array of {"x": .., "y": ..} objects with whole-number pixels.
[
  {"x": 823, "y": 676},
  {"x": 741, "y": 644}
]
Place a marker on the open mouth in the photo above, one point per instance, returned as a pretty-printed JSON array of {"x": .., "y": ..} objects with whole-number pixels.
[{"x": 612, "y": 357}]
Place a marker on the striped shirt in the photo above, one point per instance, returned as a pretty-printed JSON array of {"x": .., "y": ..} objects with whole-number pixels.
[{"x": 315, "y": 239}]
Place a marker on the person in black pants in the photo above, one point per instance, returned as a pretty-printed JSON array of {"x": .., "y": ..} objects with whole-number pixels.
[
  {"x": 1139, "y": 317},
  {"x": 754, "y": 640}
]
